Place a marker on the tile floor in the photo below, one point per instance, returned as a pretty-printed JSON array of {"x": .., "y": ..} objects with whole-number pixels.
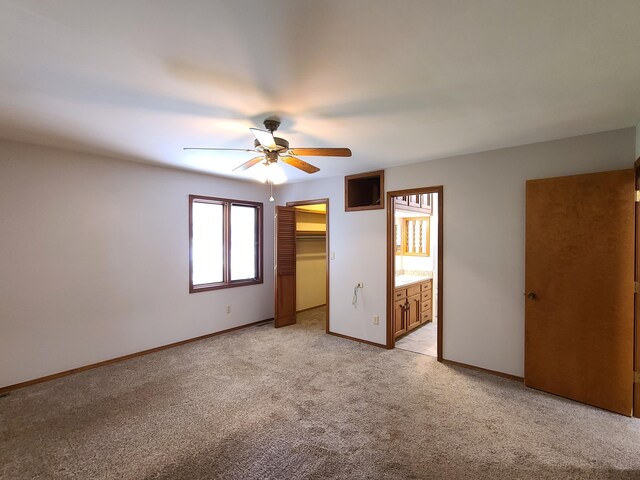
[{"x": 423, "y": 340}]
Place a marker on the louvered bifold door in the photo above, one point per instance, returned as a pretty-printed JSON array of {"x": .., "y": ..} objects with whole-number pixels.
[{"x": 285, "y": 268}]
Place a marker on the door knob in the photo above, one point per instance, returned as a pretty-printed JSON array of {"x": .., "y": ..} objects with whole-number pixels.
[{"x": 531, "y": 295}]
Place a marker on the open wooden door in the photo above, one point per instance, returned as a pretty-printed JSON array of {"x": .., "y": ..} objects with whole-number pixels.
[
  {"x": 285, "y": 269},
  {"x": 579, "y": 278},
  {"x": 636, "y": 360}
]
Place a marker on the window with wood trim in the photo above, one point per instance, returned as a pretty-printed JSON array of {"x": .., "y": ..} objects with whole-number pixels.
[
  {"x": 225, "y": 243},
  {"x": 413, "y": 236}
]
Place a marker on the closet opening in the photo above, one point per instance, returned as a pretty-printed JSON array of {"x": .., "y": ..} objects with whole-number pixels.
[
  {"x": 414, "y": 270},
  {"x": 312, "y": 261}
]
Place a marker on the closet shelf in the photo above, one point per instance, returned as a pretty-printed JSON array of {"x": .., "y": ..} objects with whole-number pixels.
[{"x": 310, "y": 234}]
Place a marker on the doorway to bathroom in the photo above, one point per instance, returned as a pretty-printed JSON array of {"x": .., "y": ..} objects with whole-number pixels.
[{"x": 414, "y": 270}]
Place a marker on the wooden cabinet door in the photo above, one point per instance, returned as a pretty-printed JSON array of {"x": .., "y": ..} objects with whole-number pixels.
[
  {"x": 425, "y": 202},
  {"x": 402, "y": 200},
  {"x": 579, "y": 299},
  {"x": 414, "y": 201},
  {"x": 399, "y": 323},
  {"x": 413, "y": 312}
]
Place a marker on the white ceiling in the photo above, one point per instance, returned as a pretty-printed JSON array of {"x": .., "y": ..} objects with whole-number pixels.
[{"x": 396, "y": 81}]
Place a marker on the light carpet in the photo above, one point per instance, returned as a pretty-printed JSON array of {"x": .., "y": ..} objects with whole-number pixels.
[{"x": 295, "y": 403}]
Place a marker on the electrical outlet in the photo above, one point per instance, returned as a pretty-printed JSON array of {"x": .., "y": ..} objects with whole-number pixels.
[
  {"x": 333, "y": 255},
  {"x": 376, "y": 319},
  {"x": 228, "y": 308}
]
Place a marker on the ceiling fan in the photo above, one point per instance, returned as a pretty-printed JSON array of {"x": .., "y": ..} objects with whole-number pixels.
[{"x": 272, "y": 149}]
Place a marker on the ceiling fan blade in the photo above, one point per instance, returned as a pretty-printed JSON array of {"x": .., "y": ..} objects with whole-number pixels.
[
  {"x": 321, "y": 152},
  {"x": 265, "y": 137},
  {"x": 299, "y": 164},
  {"x": 222, "y": 149},
  {"x": 249, "y": 164}
]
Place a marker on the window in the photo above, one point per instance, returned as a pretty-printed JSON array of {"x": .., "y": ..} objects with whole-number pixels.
[
  {"x": 413, "y": 236},
  {"x": 225, "y": 243}
]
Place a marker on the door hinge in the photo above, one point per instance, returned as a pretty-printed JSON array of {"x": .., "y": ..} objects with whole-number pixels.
[
  {"x": 637, "y": 196},
  {"x": 636, "y": 287},
  {"x": 636, "y": 377}
]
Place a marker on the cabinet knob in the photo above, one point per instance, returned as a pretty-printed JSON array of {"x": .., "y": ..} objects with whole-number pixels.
[{"x": 531, "y": 295}]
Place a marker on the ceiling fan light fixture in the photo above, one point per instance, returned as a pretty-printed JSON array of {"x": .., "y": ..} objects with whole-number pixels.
[
  {"x": 269, "y": 172},
  {"x": 275, "y": 174}
]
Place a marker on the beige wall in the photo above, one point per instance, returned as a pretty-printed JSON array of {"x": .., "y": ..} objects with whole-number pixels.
[
  {"x": 95, "y": 258},
  {"x": 483, "y": 250}
]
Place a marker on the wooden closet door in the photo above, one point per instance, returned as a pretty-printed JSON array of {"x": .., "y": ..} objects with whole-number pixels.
[
  {"x": 579, "y": 278},
  {"x": 285, "y": 268}
]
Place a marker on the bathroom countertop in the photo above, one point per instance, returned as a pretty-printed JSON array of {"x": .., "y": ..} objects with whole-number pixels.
[{"x": 404, "y": 280}]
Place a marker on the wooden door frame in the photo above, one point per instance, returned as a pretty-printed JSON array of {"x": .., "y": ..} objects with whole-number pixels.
[
  {"x": 636, "y": 309},
  {"x": 317, "y": 202},
  {"x": 391, "y": 259}
]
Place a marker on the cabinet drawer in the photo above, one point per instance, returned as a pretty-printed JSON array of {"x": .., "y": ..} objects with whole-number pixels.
[
  {"x": 400, "y": 294},
  {"x": 426, "y": 317},
  {"x": 428, "y": 295},
  {"x": 426, "y": 306},
  {"x": 413, "y": 290},
  {"x": 427, "y": 286}
]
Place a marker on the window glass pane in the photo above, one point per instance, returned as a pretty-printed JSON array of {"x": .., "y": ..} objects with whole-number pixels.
[
  {"x": 207, "y": 250},
  {"x": 243, "y": 242}
]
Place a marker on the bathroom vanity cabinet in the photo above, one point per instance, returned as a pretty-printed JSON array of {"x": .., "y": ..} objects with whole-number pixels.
[{"x": 412, "y": 306}]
